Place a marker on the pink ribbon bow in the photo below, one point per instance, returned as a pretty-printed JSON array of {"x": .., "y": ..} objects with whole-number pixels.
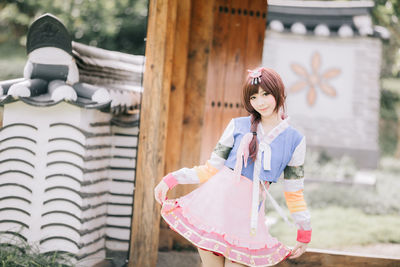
[
  {"x": 255, "y": 75},
  {"x": 242, "y": 155}
]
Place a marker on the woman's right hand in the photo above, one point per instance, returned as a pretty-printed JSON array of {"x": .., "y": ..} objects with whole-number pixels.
[{"x": 160, "y": 192}]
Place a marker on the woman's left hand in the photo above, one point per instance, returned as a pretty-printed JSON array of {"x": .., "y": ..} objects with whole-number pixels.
[
  {"x": 160, "y": 192},
  {"x": 298, "y": 250}
]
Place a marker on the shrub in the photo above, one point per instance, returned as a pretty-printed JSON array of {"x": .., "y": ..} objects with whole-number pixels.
[{"x": 18, "y": 253}]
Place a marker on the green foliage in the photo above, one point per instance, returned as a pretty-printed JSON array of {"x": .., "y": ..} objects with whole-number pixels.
[
  {"x": 27, "y": 256},
  {"x": 390, "y": 98},
  {"x": 345, "y": 214},
  {"x": 114, "y": 25},
  {"x": 381, "y": 198},
  {"x": 12, "y": 61},
  {"x": 378, "y": 199},
  {"x": 387, "y": 13},
  {"x": 322, "y": 166},
  {"x": 15, "y": 251},
  {"x": 335, "y": 227}
]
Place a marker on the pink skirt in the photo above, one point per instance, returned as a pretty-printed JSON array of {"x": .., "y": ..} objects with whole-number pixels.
[{"x": 216, "y": 217}]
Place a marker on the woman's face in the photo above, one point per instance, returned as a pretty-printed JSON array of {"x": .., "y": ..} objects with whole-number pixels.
[{"x": 263, "y": 102}]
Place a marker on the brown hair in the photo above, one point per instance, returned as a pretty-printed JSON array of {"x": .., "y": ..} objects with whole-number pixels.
[{"x": 271, "y": 83}]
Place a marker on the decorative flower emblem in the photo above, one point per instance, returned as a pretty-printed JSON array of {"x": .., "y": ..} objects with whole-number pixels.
[{"x": 314, "y": 80}]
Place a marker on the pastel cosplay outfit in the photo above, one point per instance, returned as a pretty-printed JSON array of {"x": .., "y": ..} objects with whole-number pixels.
[{"x": 225, "y": 214}]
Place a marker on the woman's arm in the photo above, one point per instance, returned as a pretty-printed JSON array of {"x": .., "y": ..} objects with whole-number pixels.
[
  {"x": 200, "y": 174},
  {"x": 294, "y": 187}
]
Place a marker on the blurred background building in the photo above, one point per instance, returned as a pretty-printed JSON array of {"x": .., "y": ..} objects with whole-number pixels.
[{"x": 329, "y": 56}]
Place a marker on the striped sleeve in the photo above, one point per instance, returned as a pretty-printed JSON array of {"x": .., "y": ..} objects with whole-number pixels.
[
  {"x": 200, "y": 174},
  {"x": 294, "y": 187}
]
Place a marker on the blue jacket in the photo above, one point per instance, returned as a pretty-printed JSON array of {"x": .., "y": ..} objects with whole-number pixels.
[{"x": 282, "y": 148}]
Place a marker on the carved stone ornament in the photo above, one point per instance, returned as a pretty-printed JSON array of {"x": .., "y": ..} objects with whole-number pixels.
[{"x": 48, "y": 31}]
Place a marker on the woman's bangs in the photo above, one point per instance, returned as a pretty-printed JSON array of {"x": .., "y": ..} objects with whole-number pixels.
[{"x": 251, "y": 90}]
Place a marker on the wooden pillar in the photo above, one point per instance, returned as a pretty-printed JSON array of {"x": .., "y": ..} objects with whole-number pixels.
[{"x": 153, "y": 127}]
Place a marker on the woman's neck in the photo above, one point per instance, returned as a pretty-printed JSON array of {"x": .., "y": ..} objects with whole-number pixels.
[{"x": 270, "y": 122}]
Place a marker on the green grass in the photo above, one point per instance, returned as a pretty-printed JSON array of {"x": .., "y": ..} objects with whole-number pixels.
[
  {"x": 335, "y": 227},
  {"x": 12, "y": 51},
  {"x": 15, "y": 251},
  {"x": 347, "y": 214},
  {"x": 381, "y": 198},
  {"x": 25, "y": 255}
]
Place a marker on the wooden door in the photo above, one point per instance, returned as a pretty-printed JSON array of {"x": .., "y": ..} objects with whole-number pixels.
[{"x": 237, "y": 45}]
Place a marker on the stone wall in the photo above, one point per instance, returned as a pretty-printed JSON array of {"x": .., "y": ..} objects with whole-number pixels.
[
  {"x": 67, "y": 179},
  {"x": 342, "y": 115}
]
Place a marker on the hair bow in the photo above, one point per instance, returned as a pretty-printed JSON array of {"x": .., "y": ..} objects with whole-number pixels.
[{"x": 255, "y": 75}]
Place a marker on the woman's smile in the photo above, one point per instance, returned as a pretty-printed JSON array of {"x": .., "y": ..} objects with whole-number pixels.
[{"x": 263, "y": 102}]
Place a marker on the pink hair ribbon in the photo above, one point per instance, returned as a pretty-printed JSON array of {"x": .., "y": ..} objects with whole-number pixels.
[{"x": 255, "y": 75}]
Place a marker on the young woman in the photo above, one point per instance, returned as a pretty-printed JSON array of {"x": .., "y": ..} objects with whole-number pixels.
[{"x": 224, "y": 217}]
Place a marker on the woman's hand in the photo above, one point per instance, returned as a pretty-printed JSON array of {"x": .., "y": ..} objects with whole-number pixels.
[
  {"x": 160, "y": 192},
  {"x": 298, "y": 250}
]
